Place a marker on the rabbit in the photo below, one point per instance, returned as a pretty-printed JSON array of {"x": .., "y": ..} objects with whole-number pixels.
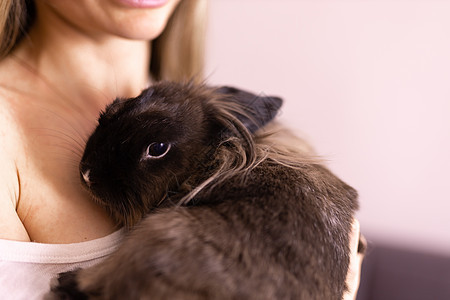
[{"x": 215, "y": 208}]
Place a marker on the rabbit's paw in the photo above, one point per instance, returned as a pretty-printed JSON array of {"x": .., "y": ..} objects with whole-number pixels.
[{"x": 65, "y": 286}]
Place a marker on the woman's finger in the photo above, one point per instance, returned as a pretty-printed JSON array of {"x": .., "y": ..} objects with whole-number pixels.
[{"x": 356, "y": 258}]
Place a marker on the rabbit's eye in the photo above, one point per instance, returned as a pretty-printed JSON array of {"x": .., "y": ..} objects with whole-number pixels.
[{"x": 157, "y": 150}]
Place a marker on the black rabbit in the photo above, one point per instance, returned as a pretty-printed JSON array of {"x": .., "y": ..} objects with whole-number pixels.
[{"x": 217, "y": 210}]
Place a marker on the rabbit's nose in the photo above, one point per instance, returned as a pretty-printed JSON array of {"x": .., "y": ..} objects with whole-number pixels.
[{"x": 85, "y": 176}]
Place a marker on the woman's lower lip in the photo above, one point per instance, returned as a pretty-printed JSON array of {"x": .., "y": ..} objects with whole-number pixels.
[{"x": 144, "y": 3}]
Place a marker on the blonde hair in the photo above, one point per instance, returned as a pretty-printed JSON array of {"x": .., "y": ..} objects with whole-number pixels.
[
  {"x": 16, "y": 17},
  {"x": 177, "y": 54}
]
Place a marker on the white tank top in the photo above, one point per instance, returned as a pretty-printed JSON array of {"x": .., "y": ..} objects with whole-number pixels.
[{"x": 26, "y": 268}]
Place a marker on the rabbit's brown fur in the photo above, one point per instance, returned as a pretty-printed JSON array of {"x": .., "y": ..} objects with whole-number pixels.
[{"x": 224, "y": 214}]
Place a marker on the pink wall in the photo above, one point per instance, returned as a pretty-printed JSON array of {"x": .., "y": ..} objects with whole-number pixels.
[{"x": 368, "y": 83}]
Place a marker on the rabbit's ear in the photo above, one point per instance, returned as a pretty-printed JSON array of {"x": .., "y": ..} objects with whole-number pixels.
[{"x": 258, "y": 109}]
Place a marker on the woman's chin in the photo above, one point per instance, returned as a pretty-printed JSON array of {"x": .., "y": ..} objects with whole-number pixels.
[
  {"x": 141, "y": 24},
  {"x": 141, "y": 30}
]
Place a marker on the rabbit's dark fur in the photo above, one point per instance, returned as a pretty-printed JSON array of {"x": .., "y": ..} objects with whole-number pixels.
[{"x": 217, "y": 211}]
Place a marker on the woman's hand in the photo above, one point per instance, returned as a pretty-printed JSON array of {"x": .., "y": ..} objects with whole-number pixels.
[{"x": 356, "y": 258}]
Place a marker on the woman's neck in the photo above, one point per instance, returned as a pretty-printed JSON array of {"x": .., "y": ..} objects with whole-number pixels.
[{"x": 92, "y": 68}]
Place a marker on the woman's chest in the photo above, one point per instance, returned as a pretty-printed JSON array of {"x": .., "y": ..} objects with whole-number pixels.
[{"x": 53, "y": 206}]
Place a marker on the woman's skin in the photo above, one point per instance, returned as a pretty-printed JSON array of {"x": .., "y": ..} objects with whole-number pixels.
[{"x": 79, "y": 56}]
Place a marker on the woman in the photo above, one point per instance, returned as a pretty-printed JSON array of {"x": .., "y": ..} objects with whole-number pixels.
[{"x": 62, "y": 62}]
